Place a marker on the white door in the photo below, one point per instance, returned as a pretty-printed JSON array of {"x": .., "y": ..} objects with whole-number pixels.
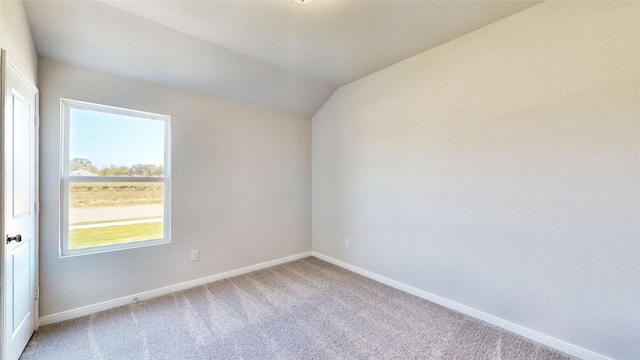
[{"x": 20, "y": 218}]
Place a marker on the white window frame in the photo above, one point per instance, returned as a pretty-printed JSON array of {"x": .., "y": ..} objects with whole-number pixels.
[{"x": 66, "y": 178}]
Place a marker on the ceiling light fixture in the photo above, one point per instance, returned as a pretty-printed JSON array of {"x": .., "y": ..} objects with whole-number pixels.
[{"x": 303, "y": 2}]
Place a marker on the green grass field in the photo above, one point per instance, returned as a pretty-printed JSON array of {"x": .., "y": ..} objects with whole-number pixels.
[
  {"x": 81, "y": 238},
  {"x": 90, "y": 194}
]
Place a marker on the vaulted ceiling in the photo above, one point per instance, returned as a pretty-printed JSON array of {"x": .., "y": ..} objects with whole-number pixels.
[{"x": 272, "y": 53}]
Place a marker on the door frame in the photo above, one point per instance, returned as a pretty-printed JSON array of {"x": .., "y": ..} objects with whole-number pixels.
[{"x": 5, "y": 65}]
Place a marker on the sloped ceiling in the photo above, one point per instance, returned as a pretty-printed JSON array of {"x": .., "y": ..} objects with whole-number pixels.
[{"x": 276, "y": 54}]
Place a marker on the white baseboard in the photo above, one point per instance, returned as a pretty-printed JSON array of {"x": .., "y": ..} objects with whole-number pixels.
[
  {"x": 105, "y": 305},
  {"x": 560, "y": 345}
]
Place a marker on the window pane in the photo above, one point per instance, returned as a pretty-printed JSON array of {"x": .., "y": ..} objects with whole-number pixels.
[
  {"x": 117, "y": 173},
  {"x": 105, "y": 213},
  {"x": 105, "y": 144}
]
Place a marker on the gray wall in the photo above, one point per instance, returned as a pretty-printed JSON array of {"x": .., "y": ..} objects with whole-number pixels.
[
  {"x": 241, "y": 189},
  {"x": 15, "y": 38},
  {"x": 499, "y": 171}
]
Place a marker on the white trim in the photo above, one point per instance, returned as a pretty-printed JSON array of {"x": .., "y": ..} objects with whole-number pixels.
[
  {"x": 105, "y": 305},
  {"x": 550, "y": 341},
  {"x": 115, "y": 110},
  {"x": 23, "y": 77}
]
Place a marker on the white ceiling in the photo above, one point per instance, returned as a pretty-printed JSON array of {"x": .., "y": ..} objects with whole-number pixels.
[{"x": 273, "y": 53}]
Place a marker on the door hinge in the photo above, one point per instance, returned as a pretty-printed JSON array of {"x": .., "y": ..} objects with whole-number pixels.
[
  {"x": 36, "y": 120},
  {"x": 37, "y": 296},
  {"x": 36, "y": 207}
]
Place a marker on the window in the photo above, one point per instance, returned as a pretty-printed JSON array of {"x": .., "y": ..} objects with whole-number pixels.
[{"x": 116, "y": 178}]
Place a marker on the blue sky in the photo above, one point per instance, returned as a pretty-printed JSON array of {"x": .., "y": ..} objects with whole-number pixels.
[{"x": 108, "y": 139}]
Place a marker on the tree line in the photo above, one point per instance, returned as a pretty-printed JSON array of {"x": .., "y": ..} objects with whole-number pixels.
[{"x": 116, "y": 170}]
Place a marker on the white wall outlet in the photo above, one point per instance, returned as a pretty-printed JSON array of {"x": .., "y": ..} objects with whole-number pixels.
[
  {"x": 347, "y": 243},
  {"x": 195, "y": 255}
]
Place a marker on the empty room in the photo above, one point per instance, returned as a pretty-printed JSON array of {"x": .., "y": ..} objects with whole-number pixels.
[{"x": 326, "y": 179}]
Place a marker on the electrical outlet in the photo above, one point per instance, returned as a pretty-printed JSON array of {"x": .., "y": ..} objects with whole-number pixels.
[
  {"x": 347, "y": 243},
  {"x": 195, "y": 255}
]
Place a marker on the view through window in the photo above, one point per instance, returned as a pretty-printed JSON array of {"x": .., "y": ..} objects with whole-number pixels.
[{"x": 116, "y": 178}]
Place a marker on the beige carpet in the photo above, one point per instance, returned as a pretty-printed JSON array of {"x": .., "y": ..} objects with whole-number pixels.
[{"x": 306, "y": 309}]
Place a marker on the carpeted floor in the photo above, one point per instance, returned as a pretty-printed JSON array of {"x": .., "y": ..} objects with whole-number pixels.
[{"x": 306, "y": 309}]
